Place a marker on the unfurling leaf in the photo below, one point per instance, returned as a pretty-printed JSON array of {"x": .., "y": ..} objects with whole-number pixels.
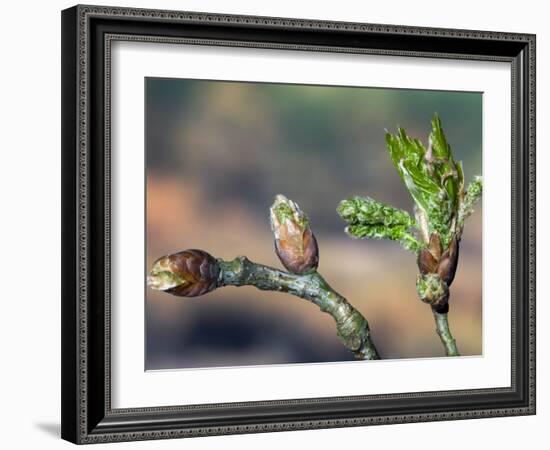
[
  {"x": 433, "y": 178},
  {"x": 368, "y": 218}
]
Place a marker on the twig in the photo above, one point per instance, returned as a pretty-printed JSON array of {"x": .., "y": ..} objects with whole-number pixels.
[
  {"x": 352, "y": 328},
  {"x": 444, "y": 332},
  {"x": 192, "y": 273}
]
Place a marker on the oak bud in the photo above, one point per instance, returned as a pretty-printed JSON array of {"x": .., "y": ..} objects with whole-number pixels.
[
  {"x": 295, "y": 243},
  {"x": 432, "y": 260},
  {"x": 189, "y": 273},
  {"x": 449, "y": 262}
]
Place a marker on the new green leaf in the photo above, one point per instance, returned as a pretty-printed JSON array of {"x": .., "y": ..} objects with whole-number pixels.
[
  {"x": 368, "y": 218},
  {"x": 471, "y": 197},
  {"x": 433, "y": 178}
]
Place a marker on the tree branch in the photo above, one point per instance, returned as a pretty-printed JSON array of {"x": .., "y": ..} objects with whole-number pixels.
[
  {"x": 352, "y": 328},
  {"x": 193, "y": 272},
  {"x": 444, "y": 332}
]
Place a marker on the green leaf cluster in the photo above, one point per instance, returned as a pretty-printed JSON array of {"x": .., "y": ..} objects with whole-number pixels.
[
  {"x": 471, "y": 197},
  {"x": 368, "y": 218},
  {"x": 434, "y": 179},
  {"x": 436, "y": 183}
]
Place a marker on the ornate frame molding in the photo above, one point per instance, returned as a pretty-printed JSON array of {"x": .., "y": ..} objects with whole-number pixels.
[{"x": 87, "y": 421}]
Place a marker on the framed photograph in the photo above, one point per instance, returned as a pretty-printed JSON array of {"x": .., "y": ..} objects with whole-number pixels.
[{"x": 279, "y": 224}]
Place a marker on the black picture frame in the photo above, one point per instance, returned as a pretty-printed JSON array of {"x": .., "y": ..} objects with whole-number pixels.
[{"x": 87, "y": 32}]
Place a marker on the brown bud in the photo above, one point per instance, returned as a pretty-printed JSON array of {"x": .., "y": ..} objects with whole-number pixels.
[
  {"x": 295, "y": 243},
  {"x": 449, "y": 262},
  {"x": 432, "y": 261},
  {"x": 435, "y": 246},
  {"x": 426, "y": 262},
  {"x": 428, "y": 258},
  {"x": 298, "y": 257},
  {"x": 189, "y": 273},
  {"x": 437, "y": 272}
]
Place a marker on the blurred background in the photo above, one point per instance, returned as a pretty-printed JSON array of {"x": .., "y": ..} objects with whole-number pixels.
[{"x": 218, "y": 152}]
